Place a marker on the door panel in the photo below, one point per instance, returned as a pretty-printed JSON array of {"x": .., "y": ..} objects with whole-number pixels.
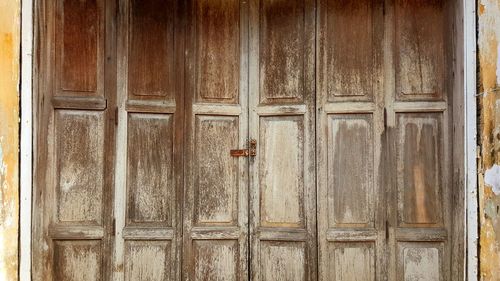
[
  {"x": 282, "y": 183},
  {"x": 151, "y": 43},
  {"x": 351, "y": 183},
  {"x": 350, "y": 45},
  {"x": 419, "y": 57},
  {"x": 215, "y": 203},
  {"x": 351, "y": 261}
]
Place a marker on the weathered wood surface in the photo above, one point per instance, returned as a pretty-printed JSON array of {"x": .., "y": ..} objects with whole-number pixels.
[{"x": 351, "y": 112}]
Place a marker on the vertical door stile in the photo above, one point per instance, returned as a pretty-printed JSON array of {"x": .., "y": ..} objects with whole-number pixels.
[
  {"x": 121, "y": 145},
  {"x": 390, "y": 132},
  {"x": 282, "y": 174},
  {"x": 215, "y": 238}
]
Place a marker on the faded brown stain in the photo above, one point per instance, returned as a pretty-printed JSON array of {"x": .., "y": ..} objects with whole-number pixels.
[
  {"x": 489, "y": 36},
  {"x": 9, "y": 126}
]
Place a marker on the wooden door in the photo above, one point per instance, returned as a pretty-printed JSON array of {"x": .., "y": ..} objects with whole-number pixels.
[
  {"x": 216, "y": 184},
  {"x": 419, "y": 112},
  {"x": 141, "y": 104},
  {"x": 282, "y": 174},
  {"x": 350, "y": 126},
  {"x": 72, "y": 226},
  {"x": 383, "y": 141},
  {"x": 149, "y": 161}
]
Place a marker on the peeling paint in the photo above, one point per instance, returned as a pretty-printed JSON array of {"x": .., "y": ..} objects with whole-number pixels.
[
  {"x": 9, "y": 142},
  {"x": 489, "y": 130}
]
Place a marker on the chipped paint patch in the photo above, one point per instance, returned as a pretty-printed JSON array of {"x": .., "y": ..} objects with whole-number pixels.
[
  {"x": 9, "y": 138},
  {"x": 492, "y": 178}
]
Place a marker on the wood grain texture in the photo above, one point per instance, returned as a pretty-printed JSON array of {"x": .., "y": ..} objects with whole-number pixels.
[
  {"x": 77, "y": 260},
  {"x": 420, "y": 49},
  {"x": 217, "y": 50},
  {"x": 148, "y": 260},
  {"x": 281, "y": 49},
  {"x": 351, "y": 261},
  {"x": 216, "y": 260},
  {"x": 351, "y": 180},
  {"x": 352, "y": 48},
  {"x": 420, "y": 164},
  {"x": 80, "y": 46},
  {"x": 80, "y": 166},
  {"x": 350, "y": 134},
  {"x": 150, "y": 185},
  {"x": 282, "y": 155},
  {"x": 281, "y": 105},
  {"x": 149, "y": 181},
  {"x": 215, "y": 242},
  {"x": 199, "y": 78},
  {"x": 420, "y": 261},
  {"x": 283, "y": 261},
  {"x": 151, "y": 54},
  {"x": 216, "y": 172}
]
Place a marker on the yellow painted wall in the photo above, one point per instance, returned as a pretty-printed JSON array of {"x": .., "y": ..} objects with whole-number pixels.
[
  {"x": 9, "y": 138},
  {"x": 489, "y": 133}
]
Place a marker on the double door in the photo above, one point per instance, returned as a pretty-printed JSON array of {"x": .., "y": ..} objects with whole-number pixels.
[{"x": 248, "y": 140}]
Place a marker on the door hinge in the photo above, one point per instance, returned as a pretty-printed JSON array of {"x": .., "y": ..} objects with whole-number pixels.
[
  {"x": 386, "y": 230},
  {"x": 113, "y": 228},
  {"x": 251, "y": 151},
  {"x": 385, "y": 117},
  {"x": 116, "y": 115}
]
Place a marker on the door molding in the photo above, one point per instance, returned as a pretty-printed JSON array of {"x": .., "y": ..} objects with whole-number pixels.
[{"x": 464, "y": 84}]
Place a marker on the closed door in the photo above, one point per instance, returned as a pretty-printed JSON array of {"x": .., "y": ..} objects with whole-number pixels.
[
  {"x": 383, "y": 140},
  {"x": 245, "y": 140}
]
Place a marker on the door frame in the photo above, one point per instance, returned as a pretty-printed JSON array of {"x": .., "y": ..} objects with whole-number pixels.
[{"x": 465, "y": 214}]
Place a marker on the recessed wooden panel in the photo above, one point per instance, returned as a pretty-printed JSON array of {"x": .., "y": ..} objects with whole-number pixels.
[
  {"x": 216, "y": 172},
  {"x": 77, "y": 260},
  {"x": 420, "y": 261},
  {"x": 283, "y": 261},
  {"x": 281, "y": 171},
  {"x": 79, "y": 50},
  {"x": 419, "y": 168},
  {"x": 218, "y": 50},
  {"x": 350, "y": 50},
  {"x": 216, "y": 260},
  {"x": 353, "y": 261},
  {"x": 282, "y": 50},
  {"x": 420, "y": 49},
  {"x": 151, "y": 49},
  {"x": 148, "y": 260},
  {"x": 150, "y": 185},
  {"x": 350, "y": 170},
  {"x": 79, "y": 150}
]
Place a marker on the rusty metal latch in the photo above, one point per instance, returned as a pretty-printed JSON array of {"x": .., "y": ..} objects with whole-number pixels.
[{"x": 251, "y": 151}]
